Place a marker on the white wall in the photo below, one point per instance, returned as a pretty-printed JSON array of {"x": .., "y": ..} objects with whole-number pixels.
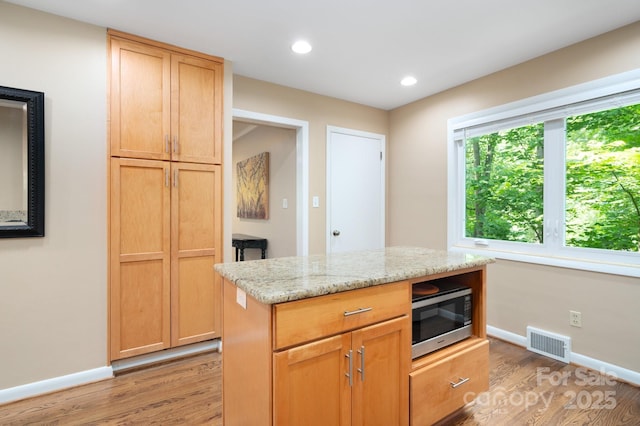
[{"x": 53, "y": 290}]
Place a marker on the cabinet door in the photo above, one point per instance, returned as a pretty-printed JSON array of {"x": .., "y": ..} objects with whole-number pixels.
[
  {"x": 195, "y": 243},
  {"x": 140, "y": 251},
  {"x": 196, "y": 103},
  {"x": 382, "y": 356},
  {"x": 140, "y": 106},
  {"x": 311, "y": 385}
]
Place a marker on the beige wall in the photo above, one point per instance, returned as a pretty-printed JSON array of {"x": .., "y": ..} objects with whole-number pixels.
[
  {"x": 320, "y": 112},
  {"x": 53, "y": 289},
  {"x": 280, "y": 227},
  {"x": 520, "y": 294}
]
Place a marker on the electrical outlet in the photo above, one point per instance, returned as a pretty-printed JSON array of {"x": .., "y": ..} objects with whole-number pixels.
[{"x": 575, "y": 318}]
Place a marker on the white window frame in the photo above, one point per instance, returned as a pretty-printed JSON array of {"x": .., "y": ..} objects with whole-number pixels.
[{"x": 549, "y": 107}]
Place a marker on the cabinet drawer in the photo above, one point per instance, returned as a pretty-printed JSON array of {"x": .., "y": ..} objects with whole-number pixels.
[
  {"x": 310, "y": 319},
  {"x": 433, "y": 395}
]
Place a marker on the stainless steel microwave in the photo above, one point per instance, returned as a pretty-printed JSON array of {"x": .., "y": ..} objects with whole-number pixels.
[{"x": 441, "y": 315}]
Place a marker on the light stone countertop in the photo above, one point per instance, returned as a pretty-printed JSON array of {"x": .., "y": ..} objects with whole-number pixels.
[{"x": 285, "y": 279}]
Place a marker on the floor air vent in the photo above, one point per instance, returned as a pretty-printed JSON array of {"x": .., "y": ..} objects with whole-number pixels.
[{"x": 549, "y": 344}]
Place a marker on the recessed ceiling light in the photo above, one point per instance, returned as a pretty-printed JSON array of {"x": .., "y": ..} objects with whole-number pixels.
[
  {"x": 408, "y": 81},
  {"x": 301, "y": 47}
]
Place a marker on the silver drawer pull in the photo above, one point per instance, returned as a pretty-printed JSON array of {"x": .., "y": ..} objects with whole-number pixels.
[
  {"x": 461, "y": 382},
  {"x": 357, "y": 311}
]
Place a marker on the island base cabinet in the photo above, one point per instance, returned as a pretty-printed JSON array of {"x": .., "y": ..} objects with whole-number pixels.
[
  {"x": 356, "y": 378},
  {"x": 449, "y": 383}
]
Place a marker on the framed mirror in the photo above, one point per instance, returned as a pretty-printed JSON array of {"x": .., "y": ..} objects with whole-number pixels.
[{"x": 21, "y": 163}]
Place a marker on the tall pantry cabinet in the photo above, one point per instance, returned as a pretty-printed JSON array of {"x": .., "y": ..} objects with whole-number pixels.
[{"x": 165, "y": 195}]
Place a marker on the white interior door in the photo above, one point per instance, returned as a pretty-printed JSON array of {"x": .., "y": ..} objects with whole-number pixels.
[{"x": 355, "y": 190}]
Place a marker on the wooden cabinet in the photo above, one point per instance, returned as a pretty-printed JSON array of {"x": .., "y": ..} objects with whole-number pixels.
[
  {"x": 165, "y": 196},
  {"x": 165, "y": 229},
  {"x": 312, "y": 384},
  {"x": 356, "y": 378},
  {"x": 345, "y": 358},
  {"x": 446, "y": 380},
  {"x": 196, "y": 236},
  {"x": 453, "y": 379},
  {"x": 309, "y": 319},
  {"x": 140, "y": 266},
  {"x": 354, "y": 371},
  {"x": 165, "y": 105}
]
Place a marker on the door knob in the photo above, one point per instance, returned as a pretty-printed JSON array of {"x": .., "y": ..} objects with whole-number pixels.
[{"x": 336, "y": 233}]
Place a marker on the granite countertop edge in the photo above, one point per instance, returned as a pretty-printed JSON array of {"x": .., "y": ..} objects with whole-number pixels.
[{"x": 286, "y": 279}]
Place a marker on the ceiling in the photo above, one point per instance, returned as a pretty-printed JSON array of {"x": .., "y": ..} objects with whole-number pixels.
[{"x": 361, "y": 48}]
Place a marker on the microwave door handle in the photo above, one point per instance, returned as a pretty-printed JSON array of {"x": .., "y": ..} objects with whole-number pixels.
[{"x": 438, "y": 299}]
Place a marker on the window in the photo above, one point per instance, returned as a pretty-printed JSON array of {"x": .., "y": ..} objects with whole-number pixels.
[{"x": 553, "y": 179}]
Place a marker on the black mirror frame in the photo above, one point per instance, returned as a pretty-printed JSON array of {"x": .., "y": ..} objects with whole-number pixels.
[{"x": 35, "y": 163}]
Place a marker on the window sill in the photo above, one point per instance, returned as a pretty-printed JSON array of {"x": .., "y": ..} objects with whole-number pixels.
[{"x": 628, "y": 270}]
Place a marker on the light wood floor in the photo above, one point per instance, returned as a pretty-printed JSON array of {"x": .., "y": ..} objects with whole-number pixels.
[{"x": 188, "y": 392}]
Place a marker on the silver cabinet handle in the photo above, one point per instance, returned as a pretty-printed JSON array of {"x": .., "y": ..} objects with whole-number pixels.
[
  {"x": 166, "y": 177},
  {"x": 175, "y": 143},
  {"x": 357, "y": 311},
  {"x": 166, "y": 143},
  {"x": 460, "y": 382},
  {"x": 349, "y": 374},
  {"x": 361, "y": 369}
]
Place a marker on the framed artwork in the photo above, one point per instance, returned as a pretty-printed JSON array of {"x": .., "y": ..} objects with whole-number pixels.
[{"x": 253, "y": 187}]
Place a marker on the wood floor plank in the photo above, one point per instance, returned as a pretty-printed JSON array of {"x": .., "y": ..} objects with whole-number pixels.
[
  {"x": 525, "y": 389},
  {"x": 184, "y": 392}
]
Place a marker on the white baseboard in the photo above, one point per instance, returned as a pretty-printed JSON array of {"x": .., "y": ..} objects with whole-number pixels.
[
  {"x": 54, "y": 384},
  {"x": 508, "y": 336},
  {"x": 83, "y": 377},
  {"x": 621, "y": 373}
]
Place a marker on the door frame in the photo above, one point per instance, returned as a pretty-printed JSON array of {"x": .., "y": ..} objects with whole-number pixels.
[
  {"x": 383, "y": 143},
  {"x": 302, "y": 171}
]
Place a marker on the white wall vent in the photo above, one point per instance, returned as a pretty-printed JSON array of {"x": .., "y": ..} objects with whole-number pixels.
[{"x": 549, "y": 344}]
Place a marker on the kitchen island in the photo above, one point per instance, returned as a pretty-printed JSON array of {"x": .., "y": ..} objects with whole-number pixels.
[{"x": 326, "y": 339}]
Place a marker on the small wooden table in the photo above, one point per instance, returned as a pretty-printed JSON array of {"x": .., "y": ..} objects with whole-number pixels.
[{"x": 241, "y": 242}]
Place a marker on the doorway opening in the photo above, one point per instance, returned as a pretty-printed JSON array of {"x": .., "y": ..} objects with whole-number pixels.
[{"x": 248, "y": 125}]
